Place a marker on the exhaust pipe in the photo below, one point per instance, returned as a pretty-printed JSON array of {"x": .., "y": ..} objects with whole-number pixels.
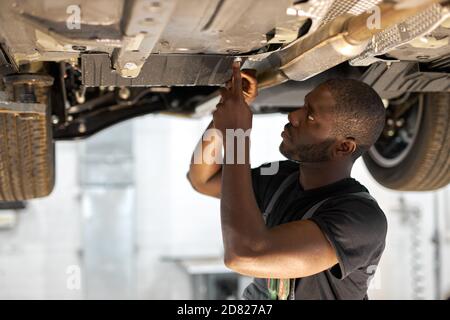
[{"x": 338, "y": 41}]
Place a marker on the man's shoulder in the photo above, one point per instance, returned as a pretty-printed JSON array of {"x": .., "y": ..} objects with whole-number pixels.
[{"x": 356, "y": 207}]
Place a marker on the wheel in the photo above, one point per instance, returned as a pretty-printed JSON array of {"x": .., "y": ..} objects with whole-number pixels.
[
  {"x": 413, "y": 152},
  {"x": 26, "y": 145}
]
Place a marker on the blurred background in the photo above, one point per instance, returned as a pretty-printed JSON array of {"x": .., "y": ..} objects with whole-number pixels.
[{"x": 124, "y": 223}]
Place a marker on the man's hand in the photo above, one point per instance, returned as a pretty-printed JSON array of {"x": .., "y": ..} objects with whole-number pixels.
[
  {"x": 233, "y": 111},
  {"x": 249, "y": 85}
]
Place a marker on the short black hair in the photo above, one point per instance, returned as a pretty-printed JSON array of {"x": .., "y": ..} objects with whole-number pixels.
[{"x": 359, "y": 113}]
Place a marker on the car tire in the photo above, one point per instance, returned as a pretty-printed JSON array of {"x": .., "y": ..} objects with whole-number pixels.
[
  {"x": 26, "y": 158},
  {"x": 27, "y": 150},
  {"x": 424, "y": 164}
]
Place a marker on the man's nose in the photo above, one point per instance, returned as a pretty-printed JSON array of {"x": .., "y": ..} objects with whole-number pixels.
[{"x": 293, "y": 118}]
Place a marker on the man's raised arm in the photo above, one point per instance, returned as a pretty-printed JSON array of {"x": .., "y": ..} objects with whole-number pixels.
[{"x": 205, "y": 170}]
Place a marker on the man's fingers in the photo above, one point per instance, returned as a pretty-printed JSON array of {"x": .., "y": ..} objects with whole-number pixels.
[
  {"x": 224, "y": 93},
  {"x": 250, "y": 77},
  {"x": 228, "y": 85},
  {"x": 249, "y": 73},
  {"x": 237, "y": 79}
]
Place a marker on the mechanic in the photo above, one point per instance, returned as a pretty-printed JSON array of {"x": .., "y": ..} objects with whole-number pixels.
[{"x": 307, "y": 230}]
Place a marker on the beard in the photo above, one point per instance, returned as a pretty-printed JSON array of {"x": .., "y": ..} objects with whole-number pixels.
[{"x": 318, "y": 152}]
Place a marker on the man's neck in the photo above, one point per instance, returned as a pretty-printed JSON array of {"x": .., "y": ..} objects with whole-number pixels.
[{"x": 315, "y": 175}]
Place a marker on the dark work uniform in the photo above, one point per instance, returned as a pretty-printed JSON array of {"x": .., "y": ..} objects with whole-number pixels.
[{"x": 356, "y": 228}]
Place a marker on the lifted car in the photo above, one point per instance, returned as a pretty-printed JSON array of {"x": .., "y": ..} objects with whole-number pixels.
[{"x": 71, "y": 68}]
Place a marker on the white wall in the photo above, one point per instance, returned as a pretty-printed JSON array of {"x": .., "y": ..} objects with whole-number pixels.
[{"x": 34, "y": 256}]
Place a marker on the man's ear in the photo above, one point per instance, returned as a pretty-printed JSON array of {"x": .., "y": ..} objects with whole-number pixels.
[{"x": 345, "y": 147}]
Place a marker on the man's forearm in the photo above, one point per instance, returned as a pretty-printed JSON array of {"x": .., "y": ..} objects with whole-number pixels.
[
  {"x": 204, "y": 164},
  {"x": 242, "y": 223}
]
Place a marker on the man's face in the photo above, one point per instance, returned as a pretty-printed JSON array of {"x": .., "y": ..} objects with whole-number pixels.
[{"x": 307, "y": 137}]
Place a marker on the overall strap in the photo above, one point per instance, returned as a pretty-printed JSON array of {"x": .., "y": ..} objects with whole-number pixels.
[
  {"x": 283, "y": 186},
  {"x": 314, "y": 208},
  {"x": 273, "y": 285}
]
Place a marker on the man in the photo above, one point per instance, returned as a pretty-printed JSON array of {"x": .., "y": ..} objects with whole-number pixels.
[{"x": 321, "y": 235}]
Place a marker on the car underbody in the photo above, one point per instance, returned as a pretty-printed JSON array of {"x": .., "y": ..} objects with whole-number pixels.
[{"x": 72, "y": 68}]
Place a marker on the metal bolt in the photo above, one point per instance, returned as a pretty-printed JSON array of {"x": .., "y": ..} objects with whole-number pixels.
[
  {"x": 124, "y": 93},
  {"x": 79, "y": 96},
  {"x": 400, "y": 122},
  {"x": 129, "y": 70},
  {"x": 291, "y": 11},
  {"x": 55, "y": 119},
  {"x": 130, "y": 66},
  {"x": 390, "y": 133},
  {"x": 390, "y": 122},
  {"x": 69, "y": 118},
  {"x": 82, "y": 128}
]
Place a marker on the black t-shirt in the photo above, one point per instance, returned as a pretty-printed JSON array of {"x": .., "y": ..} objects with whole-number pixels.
[{"x": 356, "y": 228}]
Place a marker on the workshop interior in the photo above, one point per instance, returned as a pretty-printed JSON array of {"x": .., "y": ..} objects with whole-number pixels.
[{"x": 103, "y": 101}]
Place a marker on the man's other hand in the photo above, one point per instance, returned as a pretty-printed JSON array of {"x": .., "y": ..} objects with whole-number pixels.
[{"x": 249, "y": 85}]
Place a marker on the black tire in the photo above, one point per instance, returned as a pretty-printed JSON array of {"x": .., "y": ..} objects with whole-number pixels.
[
  {"x": 26, "y": 155},
  {"x": 426, "y": 163}
]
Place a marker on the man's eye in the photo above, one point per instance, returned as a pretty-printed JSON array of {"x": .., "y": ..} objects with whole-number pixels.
[{"x": 310, "y": 117}]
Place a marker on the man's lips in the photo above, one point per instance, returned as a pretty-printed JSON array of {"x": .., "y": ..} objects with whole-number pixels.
[{"x": 285, "y": 132}]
